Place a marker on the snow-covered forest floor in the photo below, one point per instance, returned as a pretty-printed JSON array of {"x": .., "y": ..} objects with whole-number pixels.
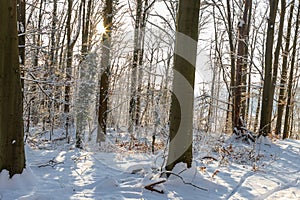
[{"x": 224, "y": 168}]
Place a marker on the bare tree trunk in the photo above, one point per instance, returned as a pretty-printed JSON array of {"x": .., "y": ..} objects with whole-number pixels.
[
  {"x": 267, "y": 98},
  {"x": 68, "y": 73},
  {"x": 284, "y": 71},
  {"x": 247, "y": 69},
  {"x": 38, "y": 42},
  {"x": 53, "y": 58},
  {"x": 12, "y": 156},
  {"x": 255, "y": 126},
  {"x": 239, "y": 94},
  {"x": 182, "y": 106},
  {"x": 278, "y": 48},
  {"x": 140, "y": 60},
  {"x": 213, "y": 84},
  {"x": 53, "y": 63},
  {"x": 134, "y": 72},
  {"x": 68, "y": 68},
  {"x": 105, "y": 63},
  {"x": 232, "y": 62},
  {"x": 287, "y": 120},
  {"x": 83, "y": 93},
  {"x": 21, "y": 32}
]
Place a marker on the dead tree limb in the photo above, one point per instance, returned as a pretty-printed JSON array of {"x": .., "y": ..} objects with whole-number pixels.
[
  {"x": 151, "y": 186},
  {"x": 187, "y": 183}
]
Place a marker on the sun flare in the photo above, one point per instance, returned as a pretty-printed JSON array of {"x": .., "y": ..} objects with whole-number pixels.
[{"x": 100, "y": 28}]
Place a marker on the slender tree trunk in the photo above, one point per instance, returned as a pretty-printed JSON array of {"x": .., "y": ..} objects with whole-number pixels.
[
  {"x": 21, "y": 32},
  {"x": 148, "y": 90},
  {"x": 83, "y": 93},
  {"x": 247, "y": 69},
  {"x": 293, "y": 126},
  {"x": 267, "y": 98},
  {"x": 245, "y": 95},
  {"x": 35, "y": 61},
  {"x": 278, "y": 48},
  {"x": 68, "y": 68},
  {"x": 68, "y": 73},
  {"x": 53, "y": 59},
  {"x": 38, "y": 42},
  {"x": 140, "y": 60},
  {"x": 241, "y": 66},
  {"x": 86, "y": 27},
  {"x": 12, "y": 156},
  {"x": 182, "y": 106},
  {"x": 53, "y": 63},
  {"x": 284, "y": 71},
  {"x": 287, "y": 120},
  {"x": 255, "y": 126},
  {"x": 134, "y": 72},
  {"x": 212, "y": 89},
  {"x": 105, "y": 63},
  {"x": 232, "y": 64}
]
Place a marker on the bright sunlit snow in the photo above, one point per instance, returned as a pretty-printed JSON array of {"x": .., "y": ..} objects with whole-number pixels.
[{"x": 233, "y": 170}]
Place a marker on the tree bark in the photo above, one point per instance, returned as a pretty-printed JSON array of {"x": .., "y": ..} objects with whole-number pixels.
[
  {"x": 267, "y": 98},
  {"x": 68, "y": 68},
  {"x": 182, "y": 106},
  {"x": 278, "y": 48},
  {"x": 83, "y": 89},
  {"x": 241, "y": 66},
  {"x": 287, "y": 123},
  {"x": 140, "y": 60},
  {"x": 232, "y": 64},
  {"x": 68, "y": 72},
  {"x": 21, "y": 32},
  {"x": 134, "y": 72},
  {"x": 284, "y": 71},
  {"x": 105, "y": 63},
  {"x": 12, "y": 156}
]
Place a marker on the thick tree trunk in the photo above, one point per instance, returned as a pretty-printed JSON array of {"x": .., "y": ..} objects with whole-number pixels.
[
  {"x": 182, "y": 106},
  {"x": 12, "y": 156}
]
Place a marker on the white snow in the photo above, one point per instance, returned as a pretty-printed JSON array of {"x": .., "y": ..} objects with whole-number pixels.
[{"x": 265, "y": 170}]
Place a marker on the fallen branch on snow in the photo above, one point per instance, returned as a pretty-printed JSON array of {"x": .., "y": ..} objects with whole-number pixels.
[
  {"x": 187, "y": 183},
  {"x": 52, "y": 163},
  {"x": 151, "y": 186}
]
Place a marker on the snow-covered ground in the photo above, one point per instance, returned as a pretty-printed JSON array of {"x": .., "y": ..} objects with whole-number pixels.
[{"x": 233, "y": 170}]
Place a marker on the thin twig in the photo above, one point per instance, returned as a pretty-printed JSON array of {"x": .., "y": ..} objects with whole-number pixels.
[{"x": 51, "y": 163}]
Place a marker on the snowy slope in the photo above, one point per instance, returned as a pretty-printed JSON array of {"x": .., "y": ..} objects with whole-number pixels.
[{"x": 266, "y": 170}]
